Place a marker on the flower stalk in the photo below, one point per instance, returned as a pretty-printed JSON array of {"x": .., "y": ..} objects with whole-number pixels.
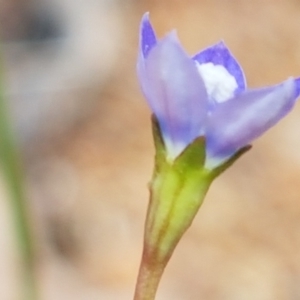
[{"x": 148, "y": 279}]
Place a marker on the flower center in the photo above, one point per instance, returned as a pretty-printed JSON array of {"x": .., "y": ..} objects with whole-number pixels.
[{"x": 219, "y": 83}]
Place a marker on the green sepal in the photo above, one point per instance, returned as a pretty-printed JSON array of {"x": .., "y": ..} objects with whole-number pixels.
[
  {"x": 224, "y": 166},
  {"x": 192, "y": 157},
  {"x": 160, "y": 148}
]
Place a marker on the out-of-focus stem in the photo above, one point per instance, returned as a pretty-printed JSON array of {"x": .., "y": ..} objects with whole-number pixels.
[{"x": 12, "y": 171}]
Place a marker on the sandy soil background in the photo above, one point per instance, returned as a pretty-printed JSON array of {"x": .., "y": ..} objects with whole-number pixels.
[{"x": 84, "y": 133}]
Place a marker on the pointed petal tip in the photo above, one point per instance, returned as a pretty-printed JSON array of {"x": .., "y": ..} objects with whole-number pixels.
[
  {"x": 297, "y": 84},
  {"x": 171, "y": 37},
  {"x": 145, "y": 17},
  {"x": 147, "y": 35},
  {"x": 221, "y": 44},
  {"x": 291, "y": 89},
  {"x": 171, "y": 48}
]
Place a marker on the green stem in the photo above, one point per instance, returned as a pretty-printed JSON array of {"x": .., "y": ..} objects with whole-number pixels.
[{"x": 11, "y": 168}]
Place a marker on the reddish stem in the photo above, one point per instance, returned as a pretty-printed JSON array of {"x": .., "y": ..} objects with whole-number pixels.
[{"x": 148, "y": 279}]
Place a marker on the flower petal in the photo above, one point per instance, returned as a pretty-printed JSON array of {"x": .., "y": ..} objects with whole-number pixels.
[
  {"x": 219, "y": 54},
  {"x": 237, "y": 122},
  {"x": 146, "y": 42},
  {"x": 147, "y": 35},
  {"x": 175, "y": 93},
  {"x": 297, "y": 82}
]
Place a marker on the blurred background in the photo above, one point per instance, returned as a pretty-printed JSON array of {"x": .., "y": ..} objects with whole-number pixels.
[{"x": 83, "y": 130}]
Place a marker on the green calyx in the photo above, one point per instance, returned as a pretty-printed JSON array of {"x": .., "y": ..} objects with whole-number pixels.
[{"x": 177, "y": 191}]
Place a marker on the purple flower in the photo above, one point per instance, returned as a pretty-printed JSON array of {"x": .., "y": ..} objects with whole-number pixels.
[{"x": 206, "y": 95}]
